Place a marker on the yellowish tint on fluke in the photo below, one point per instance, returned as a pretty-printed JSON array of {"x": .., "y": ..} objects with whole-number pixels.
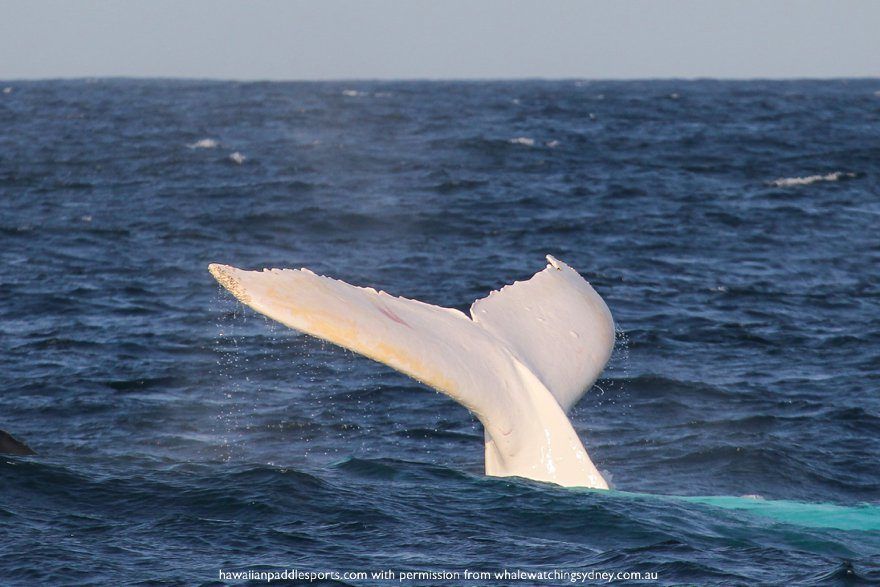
[{"x": 514, "y": 364}]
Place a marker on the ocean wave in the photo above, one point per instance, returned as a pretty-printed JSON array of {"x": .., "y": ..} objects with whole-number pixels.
[
  {"x": 401, "y": 470},
  {"x": 657, "y": 386},
  {"x": 785, "y": 182},
  {"x": 528, "y": 142},
  {"x": 237, "y": 158},
  {"x": 457, "y": 185},
  {"x": 154, "y": 431},
  {"x": 431, "y": 433}
]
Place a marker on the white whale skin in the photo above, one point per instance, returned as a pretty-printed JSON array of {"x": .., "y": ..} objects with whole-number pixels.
[{"x": 525, "y": 356}]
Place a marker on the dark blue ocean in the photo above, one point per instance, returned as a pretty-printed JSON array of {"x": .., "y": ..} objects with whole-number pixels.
[{"x": 733, "y": 228}]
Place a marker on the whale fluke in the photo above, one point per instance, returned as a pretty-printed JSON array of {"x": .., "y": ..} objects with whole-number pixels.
[
  {"x": 9, "y": 445},
  {"x": 523, "y": 358}
]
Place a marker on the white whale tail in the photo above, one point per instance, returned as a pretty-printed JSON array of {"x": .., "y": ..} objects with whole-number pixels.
[{"x": 520, "y": 362}]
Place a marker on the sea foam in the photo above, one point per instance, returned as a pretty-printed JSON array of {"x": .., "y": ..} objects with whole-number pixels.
[
  {"x": 785, "y": 182},
  {"x": 204, "y": 144}
]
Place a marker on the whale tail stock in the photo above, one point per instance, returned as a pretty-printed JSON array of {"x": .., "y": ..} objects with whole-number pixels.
[{"x": 524, "y": 357}]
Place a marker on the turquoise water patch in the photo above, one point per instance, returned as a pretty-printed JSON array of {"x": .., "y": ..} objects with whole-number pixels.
[{"x": 863, "y": 517}]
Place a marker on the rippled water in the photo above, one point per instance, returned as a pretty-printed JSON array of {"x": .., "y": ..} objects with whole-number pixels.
[{"x": 732, "y": 227}]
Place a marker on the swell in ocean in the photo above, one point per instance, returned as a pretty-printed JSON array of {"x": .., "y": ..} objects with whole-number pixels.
[{"x": 730, "y": 226}]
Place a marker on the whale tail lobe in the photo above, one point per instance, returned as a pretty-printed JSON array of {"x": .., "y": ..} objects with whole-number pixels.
[{"x": 523, "y": 358}]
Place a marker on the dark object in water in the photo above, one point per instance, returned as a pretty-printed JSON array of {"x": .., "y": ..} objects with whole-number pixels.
[{"x": 10, "y": 446}]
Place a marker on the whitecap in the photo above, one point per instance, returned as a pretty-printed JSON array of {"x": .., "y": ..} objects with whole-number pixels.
[
  {"x": 522, "y": 141},
  {"x": 237, "y": 158},
  {"x": 552, "y": 144},
  {"x": 352, "y": 93},
  {"x": 204, "y": 144},
  {"x": 7, "y": 90},
  {"x": 785, "y": 182}
]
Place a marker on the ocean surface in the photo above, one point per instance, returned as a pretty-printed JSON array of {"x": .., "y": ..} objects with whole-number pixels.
[{"x": 732, "y": 227}]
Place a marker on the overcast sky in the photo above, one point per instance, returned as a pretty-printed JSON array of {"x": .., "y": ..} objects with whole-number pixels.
[{"x": 339, "y": 39}]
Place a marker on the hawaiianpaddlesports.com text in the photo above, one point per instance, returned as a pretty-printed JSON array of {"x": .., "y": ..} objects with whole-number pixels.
[{"x": 553, "y": 576}]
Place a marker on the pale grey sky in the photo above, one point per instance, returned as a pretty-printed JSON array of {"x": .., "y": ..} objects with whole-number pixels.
[{"x": 344, "y": 39}]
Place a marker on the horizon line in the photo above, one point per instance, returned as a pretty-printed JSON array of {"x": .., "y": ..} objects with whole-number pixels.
[{"x": 426, "y": 79}]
